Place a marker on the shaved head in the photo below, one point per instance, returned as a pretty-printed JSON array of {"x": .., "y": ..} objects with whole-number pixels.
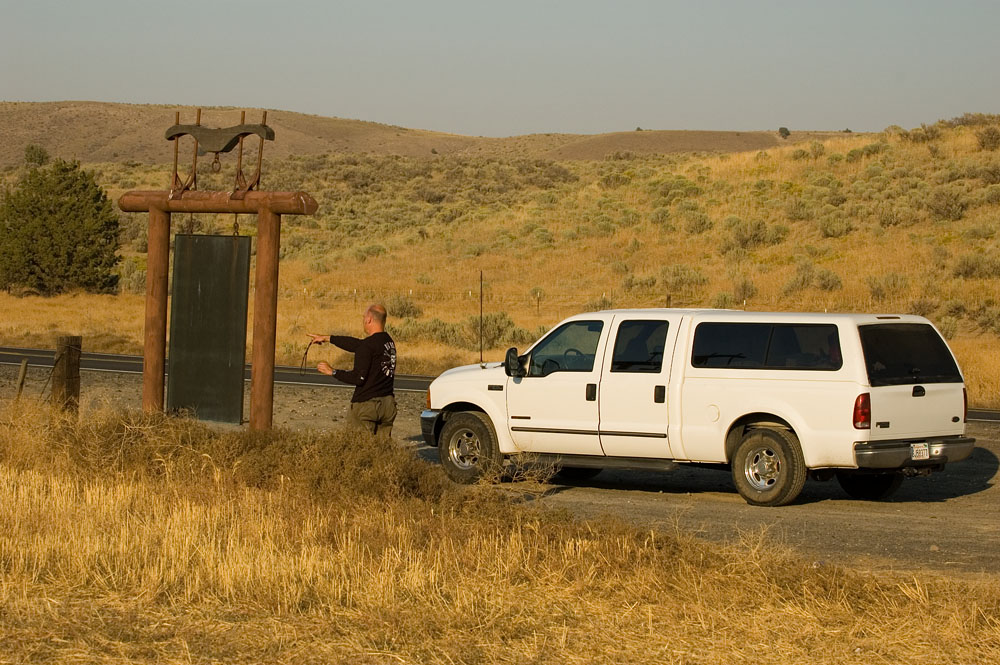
[
  {"x": 378, "y": 315},
  {"x": 374, "y": 318}
]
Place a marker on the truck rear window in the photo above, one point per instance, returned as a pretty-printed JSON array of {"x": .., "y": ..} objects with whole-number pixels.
[
  {"x": 906, "y": 353},
  {"x": 794, "y": 346}
]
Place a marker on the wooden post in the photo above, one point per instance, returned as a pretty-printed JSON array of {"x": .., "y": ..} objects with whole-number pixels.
[
  {"x": 154, "y": 352},
  {"x": 66, "y": 373},
  {"x": 21, "y": 376},
  {"x": 265, "y": 318}
]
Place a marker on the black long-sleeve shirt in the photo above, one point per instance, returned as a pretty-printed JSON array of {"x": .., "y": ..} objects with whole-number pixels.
[{"x": 374, "y": 365}]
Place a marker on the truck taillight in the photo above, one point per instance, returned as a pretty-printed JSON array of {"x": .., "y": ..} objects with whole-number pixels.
[
  {"x": 428, "y": 399},
  {"x": 965, "y": 405},
  {"x": 863, "y": 411}
]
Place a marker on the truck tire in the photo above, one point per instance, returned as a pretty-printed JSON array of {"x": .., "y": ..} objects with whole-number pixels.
[
  {"x": 468, "y": 448},
  {"x": 768, "y": 467},
  {"x": 869, "y": 486}
]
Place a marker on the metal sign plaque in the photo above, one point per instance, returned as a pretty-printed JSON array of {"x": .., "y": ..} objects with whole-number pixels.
[{"x": 208, "y": 326}]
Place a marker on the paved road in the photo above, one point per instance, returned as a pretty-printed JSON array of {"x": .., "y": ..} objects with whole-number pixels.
[{"x": 110, "y": 362}]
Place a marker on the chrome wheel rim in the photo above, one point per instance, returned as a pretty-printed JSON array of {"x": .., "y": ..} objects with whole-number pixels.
[
  {"x": 762, "y": 468},
  {"x": 464, "y": 449}
]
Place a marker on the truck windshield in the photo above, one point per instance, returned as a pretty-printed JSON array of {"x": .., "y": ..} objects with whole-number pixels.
[{"x": 906, "y": 353}]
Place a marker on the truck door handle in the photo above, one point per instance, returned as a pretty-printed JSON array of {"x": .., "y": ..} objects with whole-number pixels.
[
  {"x": 919, "y": 391},
  {"x": 659, "y": 394},
  {"x": 591, "y": 392}
]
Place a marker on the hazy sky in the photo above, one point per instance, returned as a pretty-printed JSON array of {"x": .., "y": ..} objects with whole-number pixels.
[{"x": 515, "y": 67}]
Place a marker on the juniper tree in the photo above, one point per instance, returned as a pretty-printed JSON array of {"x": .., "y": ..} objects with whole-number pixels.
[{"x": 58, "y": 231}]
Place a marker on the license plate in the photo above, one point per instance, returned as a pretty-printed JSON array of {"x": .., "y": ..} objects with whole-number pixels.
[{"x": 919, "y": 451}]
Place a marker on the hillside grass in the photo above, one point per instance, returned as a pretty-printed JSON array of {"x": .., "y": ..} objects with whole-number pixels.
[
  {"x": 136, "y": 538},
  {"x": 901, "y": 221}
]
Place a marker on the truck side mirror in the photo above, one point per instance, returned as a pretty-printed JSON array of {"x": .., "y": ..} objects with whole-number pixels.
[{"x": 512, "y": 363}]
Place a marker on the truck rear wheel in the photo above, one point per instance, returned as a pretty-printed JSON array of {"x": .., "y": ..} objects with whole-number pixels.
[
  {"x": 468, "y": 447},
  {"x": 768, "y": 467},
  {"x": 869, "y": 486}
]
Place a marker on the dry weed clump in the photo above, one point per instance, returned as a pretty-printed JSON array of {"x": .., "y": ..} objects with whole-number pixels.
[{"x": 161, "y": 540}]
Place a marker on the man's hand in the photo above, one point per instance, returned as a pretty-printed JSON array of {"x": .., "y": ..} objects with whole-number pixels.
[
  {"x": 324, "y": 368},
  {"x": 318, "y": 339}
]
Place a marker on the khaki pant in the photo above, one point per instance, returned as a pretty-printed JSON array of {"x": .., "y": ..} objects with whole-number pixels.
[{"x": 375, "y": 415}]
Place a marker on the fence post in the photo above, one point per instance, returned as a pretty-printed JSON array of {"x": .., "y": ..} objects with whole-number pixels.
[
  {"x": 21, "y": 376},
  {"x": 66, "y": 373}
]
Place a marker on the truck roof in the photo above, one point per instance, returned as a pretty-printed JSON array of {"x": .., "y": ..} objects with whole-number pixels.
[{"x": 750, "y": 316}]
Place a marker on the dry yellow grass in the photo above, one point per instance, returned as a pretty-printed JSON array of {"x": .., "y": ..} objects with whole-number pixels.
[{"x": 127, "y": 538}]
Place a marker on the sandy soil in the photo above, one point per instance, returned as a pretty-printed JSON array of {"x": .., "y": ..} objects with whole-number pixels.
[{"x": 948, "y": 522}]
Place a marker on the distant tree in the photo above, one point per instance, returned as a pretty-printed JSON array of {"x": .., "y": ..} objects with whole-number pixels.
[
  {"x": 58, "y": 231},
  {"x": 35, "y": 155},
  {"x": 783, "y": 132},
  {"x": 638, "y": 129}
]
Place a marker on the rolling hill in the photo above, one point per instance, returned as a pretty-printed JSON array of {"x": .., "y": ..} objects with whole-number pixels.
[{"x": 107, "y": 132}]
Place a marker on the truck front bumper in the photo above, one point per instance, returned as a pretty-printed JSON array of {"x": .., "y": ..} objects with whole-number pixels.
[
  {"x": 901, "y": 454},
  {"x": 429, "y": 424}
]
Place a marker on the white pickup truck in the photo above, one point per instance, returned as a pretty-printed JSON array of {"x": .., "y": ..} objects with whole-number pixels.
[{"x": 776, "y": 397}]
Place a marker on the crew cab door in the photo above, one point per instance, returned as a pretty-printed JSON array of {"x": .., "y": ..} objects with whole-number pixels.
[
  {"x": 634, "y": 385},
  {"x": 554, "y": 408}
]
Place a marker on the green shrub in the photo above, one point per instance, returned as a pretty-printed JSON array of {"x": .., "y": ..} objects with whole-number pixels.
[
  {"x": 953, "y": 308},
  {"x": 661, "y": 217},
  {"x": 798, "y": 210},
  {"x": 977, "y": 266},
  {"x": 947, "y": 203},
  {"x": 614, "y": 180},
  {"x": 751, "y": 234},
  {"x": 724, "y": 301},
  {"x": 783, "y": 132},
  {"x": 362, "y": 253},
  {"x": 35, "y": 155},
  {"x": 631, "y": 283},
  {"x": 834, "y": 226},
  {"x": 887, "y": 286},
  {"x": 989, "y": 138},
  {"x": 922, "y": 306},
  {"x": 402, "y": 307},
  {"x": 697, "y": 222},
  {"x": 132, "y": 276},
  {"x": 799, "y": 153},
  {"x": 827, "y": 280},
  {"x": 948, "y": 327},
  {"x": 744, "y": 289},
  {"x": 598, "y": 304},
  {"x": 802, "y": 279},
  {"x": 680, "y": 278}
]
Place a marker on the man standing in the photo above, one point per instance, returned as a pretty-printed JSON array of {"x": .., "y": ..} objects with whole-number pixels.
[{"x": 373, "y": 405}]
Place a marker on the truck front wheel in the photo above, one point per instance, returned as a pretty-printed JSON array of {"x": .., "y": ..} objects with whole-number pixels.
[
  {"x": 468, "y": 447},
  {"x": 768, "y": 467}
]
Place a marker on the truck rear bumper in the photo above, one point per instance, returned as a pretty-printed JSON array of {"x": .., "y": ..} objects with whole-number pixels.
[{"x": 909, "y": 453}]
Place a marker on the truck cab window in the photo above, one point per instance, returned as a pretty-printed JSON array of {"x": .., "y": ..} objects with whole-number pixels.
[
  {"x": 639, "y": 347},
  {"x": 570, "y": 348}
]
